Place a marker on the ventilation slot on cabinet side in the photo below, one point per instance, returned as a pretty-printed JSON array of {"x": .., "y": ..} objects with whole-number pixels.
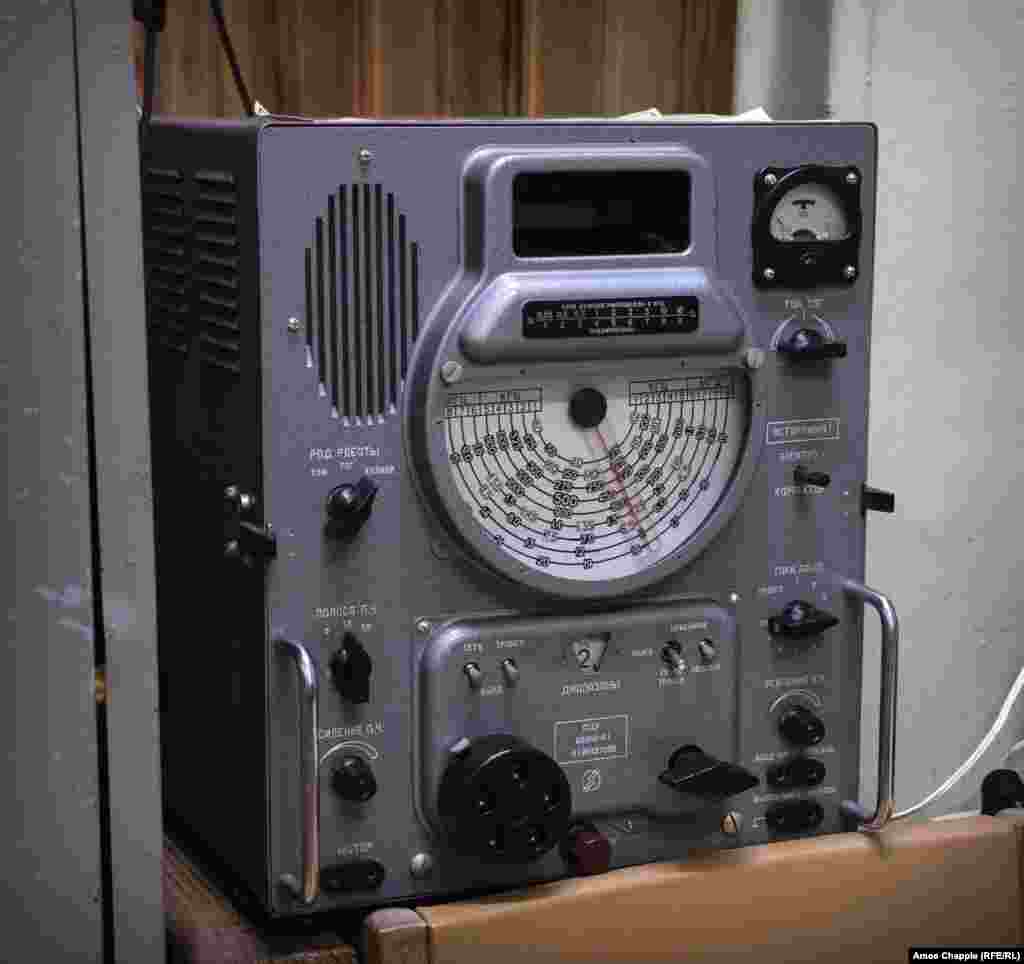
[
  {"x": 362, "y": 303},
  {"x": 166, "y": 246},
  {"x": 216, "y": 268},
  {"x": 193, "y": 272}
]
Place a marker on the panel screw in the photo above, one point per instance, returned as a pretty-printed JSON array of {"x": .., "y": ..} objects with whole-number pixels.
[
  {"x": 754, "y": 358},
  {"x": 294, "y": 325},
  {"x": 246, "y": 501},
  {"x": 732, "y": 823},
  {"x": 423, "y": 626},
  {"x": 421, "y": 866},
  {"x": 768, "y": 274},
  {"x": 734, "y": 597},
  {"x": 231, "y": 549},
  {"x": 365, "y": 155},
  {"x": 771, "y": 179},
  {"x": 849, "y": 272},
  {"x": 231, "y": 492},
  {"x": 451, "y": 372},
  {"x": 851, "y": 177}
]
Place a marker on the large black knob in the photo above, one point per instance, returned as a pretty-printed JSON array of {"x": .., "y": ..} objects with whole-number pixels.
[
  {"x": 801, "y": 727},
  {"x": 349, "y": 506},
  {"x": 503, "y": 800},
  {"x": 353, "y": 780},
  {"x": 691, "y": 770},
  {"x": 587, "y": 407},
  {"x": 799, "y": 619},
  {"x": 351, "y": 667},
  {"x": 808, "y": 344}
]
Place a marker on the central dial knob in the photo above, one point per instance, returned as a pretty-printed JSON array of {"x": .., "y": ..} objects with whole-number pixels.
[{"x": 587, "y": 407}]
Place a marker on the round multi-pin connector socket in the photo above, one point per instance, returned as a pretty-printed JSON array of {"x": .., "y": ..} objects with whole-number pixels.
[{"x": 503, "y": 800}]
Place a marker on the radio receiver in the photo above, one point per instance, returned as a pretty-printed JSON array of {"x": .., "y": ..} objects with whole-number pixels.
[{"x": 510, "y": 493}]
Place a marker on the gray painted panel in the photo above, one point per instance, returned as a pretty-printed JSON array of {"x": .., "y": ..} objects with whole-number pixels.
[
  {"x": 401, "y": 568},
  {"x": 50, "y": 895},
  {"x": 113, "y": 234}
]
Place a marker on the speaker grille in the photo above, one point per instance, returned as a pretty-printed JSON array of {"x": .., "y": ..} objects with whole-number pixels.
[
  {"x": 191, "y": 242},
  {"x": 362, "y": 302}
]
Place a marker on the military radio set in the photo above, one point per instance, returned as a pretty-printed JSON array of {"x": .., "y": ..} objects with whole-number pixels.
[{"x": 510, "y": 495}]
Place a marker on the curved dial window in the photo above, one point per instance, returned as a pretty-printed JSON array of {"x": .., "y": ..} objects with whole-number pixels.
[
  {"x": 596, "y": 482},
  {"x": 809, "y": 212}
]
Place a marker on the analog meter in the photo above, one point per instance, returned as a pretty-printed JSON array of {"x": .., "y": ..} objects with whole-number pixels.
[{"x": 806, "y": 227}]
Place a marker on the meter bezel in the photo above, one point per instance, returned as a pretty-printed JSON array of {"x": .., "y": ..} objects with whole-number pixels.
[{"x": 805, "y": 264}]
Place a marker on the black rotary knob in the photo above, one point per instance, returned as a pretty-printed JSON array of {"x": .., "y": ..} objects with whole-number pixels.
[
  {"x": 503, "y": 800},
  {"x": 799, "y": 619},
  {"x": 349, "y": 506},
  {"x": 808, "y": 344},
  {"x": 587, "y": 407},
  {"x": 801, "y": 727},
  {"x": 353, "y": 779}
]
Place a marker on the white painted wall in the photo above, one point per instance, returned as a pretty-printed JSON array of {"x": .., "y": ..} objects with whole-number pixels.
[{"x": 941, "y": 81}]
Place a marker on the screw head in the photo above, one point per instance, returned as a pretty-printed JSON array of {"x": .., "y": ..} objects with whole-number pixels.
[
  {"x": 734, "y": 597},
  {"x": 365, "y": 155},
  {"x": 754, "y": 358},
  {"x": 849, "y": 272},
  {"x": 451, "y": 372},
  {"x": 294, "y": 325},
  {"x": 851, "y": 177},
  {"x": 246, "y": 501},
  {"x": 732, "y": 823},
  {"x": 231, "y": 492},
  {"x": 771, "y": 179},
  {"x": 422, "y": 626},
  {"x": 231, "y": 549},
  {"x": 768, "y": 274},
  {"x": 421, "y": 865}
]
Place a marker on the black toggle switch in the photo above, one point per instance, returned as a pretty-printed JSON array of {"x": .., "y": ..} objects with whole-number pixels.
[
  {"x": 799, "y": 619},
  {"x": 808, "y": 344},
  {"x": 349, "y": 506},
  {"x": 804, "y": 476},
  {"x": 801, "y": 727},
  {"x": 351, "y": 667},
  {"x": 691, "y": 770},
  {"x": 353, "y": 780}
]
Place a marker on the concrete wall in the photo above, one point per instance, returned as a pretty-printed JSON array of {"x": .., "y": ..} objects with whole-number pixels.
[{"x": 941, "y": 81}]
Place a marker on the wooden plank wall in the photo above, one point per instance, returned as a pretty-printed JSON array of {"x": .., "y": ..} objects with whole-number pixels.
[{"x": 404, "y": 58}]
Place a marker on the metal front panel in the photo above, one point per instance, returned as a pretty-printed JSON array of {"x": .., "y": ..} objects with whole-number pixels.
[{"x": 404, "y": 568}]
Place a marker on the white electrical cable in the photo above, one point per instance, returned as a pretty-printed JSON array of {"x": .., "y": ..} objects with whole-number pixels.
[{"x": 983, "y": 748}]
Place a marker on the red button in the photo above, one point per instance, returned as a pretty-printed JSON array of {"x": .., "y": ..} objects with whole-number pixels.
[{"x": 589, "y": 852}]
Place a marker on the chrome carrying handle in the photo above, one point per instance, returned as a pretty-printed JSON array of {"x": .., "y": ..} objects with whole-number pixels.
[
  {"x": 872, "y": 823},
  {"x": 309, "y": 889}
]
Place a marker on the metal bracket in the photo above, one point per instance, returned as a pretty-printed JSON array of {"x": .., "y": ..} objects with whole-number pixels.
[
  {"x": 309, "y": 889},
  {"x": 874, "y": 822}
]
